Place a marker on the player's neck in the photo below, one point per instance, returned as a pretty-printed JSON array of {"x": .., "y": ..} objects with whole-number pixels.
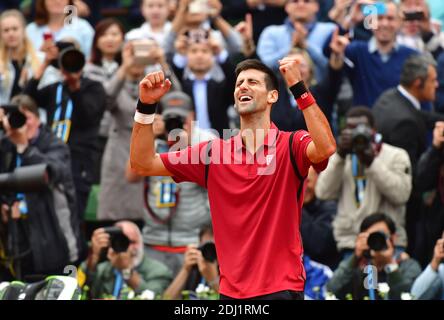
[{"x": 254, "y": 129}]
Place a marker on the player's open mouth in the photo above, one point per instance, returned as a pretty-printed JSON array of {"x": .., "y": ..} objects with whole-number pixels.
[{"x": 245, "y": 98}]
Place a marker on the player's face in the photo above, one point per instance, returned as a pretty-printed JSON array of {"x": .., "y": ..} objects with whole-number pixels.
[{"x": 251, "y": 94}]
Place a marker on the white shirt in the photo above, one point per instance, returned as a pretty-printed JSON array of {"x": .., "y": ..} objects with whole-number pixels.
[
  {"x": 409, "y": 97},
  {"x": 145, "y": 31}
]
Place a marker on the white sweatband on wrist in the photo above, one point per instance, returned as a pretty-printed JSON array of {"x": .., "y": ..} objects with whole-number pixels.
[{"x": 144, "y": 118}]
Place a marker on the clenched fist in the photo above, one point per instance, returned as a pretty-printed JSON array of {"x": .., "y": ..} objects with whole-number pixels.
[
  {"x": 153, "y": 87},
  {"x": 289, "y": 68}
]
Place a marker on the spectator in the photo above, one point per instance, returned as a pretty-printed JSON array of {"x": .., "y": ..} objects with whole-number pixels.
[
  {"x": 185, "y": 20},
  {"x": 117, "y": 198},
  {"x": 197, "y": 62},
  {"x": 439, "y": 103},
  {"x": 74, "y": 110},
  {"x": 366, "y": 176},
  {"x": 106, "y": 57},
  {"x": 50, "y": 17},
  {"x": 429, "y": 177},
  {"x": 316, "y": 225},
  {"x": 156, "y": 23},
  {"x": 264, "y": 13},
  {"x": 397, "y": 270},
  {"x": 398, "y": 113},
  {"x": 375, "y": 66},
  {"x": 174, "y": 222},
  {"x": 276, "y": 42},
  {"x": 198, "y": 268},
  {"x": 285, "y": 113},
  {"x": 123, "y": 270},
  {"x": 18, "y": 59},
  {"x": 430, "y": 283},
  {"x": 418, "y": 31},
  {"x": 47, "y": 224}
]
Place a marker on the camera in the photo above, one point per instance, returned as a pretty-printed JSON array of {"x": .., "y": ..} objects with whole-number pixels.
[
  {"x": 15, "y": 117},
  {"x": 143, "y": 51},
  {"x": 70, "y": 58},
  {"x": 208, "y": 250},
  {"x": 197, "y": 35},
  {"x": 119, "y": 241},
  {"x": 25, "y": 179},
  {"x": 199, "y": 6},
  {"x": 173, "y": 121},
  {"x": 377, "y": 241},
  {"x": 362, "y": 136},
  {"x": 414, "y": 16}
]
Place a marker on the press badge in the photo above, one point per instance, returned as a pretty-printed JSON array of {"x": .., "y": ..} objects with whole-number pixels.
[
  {"x": 166, "y": 190},
  {"x": 62, "y": 129},
  {"x": 23, "y": 207}
]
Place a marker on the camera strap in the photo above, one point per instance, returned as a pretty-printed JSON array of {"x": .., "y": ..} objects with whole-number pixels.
[
  {"x": 359, "y": 178},
  {"x": 62, "y": 126}
]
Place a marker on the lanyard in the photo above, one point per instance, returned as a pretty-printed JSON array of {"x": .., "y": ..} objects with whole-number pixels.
[
  {"x": 21, "y": 196},
  {"x": 359, "y": 177},
  {"x": 62, "y": 128},
  {"x": 117, "y": 284}
]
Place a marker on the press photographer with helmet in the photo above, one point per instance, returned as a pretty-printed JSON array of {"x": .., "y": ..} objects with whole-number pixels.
[
  {"x": 74, "y": 108},
  {"x": 365, "y": 176},
  {"x": 44, "y": 224},
  {"x": 117, "y": 263}
]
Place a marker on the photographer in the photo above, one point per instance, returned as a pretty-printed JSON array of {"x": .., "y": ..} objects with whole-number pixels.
[
  {"x": 365, "y": 176},
  {"x": 127, "y": 265},
  {"x": 430, "y": 283},
  {"x": 47, "y": 220},
  {"x": 429, "y": 183},
  {"x": 74, "y": 110},
  {"x": 174, "y": 213},
  {"x": 199, "y": 267},
  {"x": 375, "y": 246}
]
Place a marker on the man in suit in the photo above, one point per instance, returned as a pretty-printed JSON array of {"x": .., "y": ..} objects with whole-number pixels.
[
  {"x": 402, "y": 123},
  {"x": 207, "y": 75}
]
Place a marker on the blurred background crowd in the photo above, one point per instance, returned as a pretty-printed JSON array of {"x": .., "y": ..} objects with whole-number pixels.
[{"x": 69, "y": 74}]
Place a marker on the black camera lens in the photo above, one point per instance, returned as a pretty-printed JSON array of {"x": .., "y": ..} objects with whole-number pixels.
[
  {"x": 361, "y": 137},
  {"x": 377, "y": 241},
  {"x": 16, "y": 118},
  {"x": 173, "y": 122},
  {"x": 119, "y": 241},
  {"x": 209, "y": 251},
  {"x": 71, "y": 60}
]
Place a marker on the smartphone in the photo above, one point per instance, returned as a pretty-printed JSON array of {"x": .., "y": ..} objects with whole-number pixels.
[
  {"x": 143, "y": 51},
  {"x": 47, "y": 36},
  {"x": 369, "y": 9},
  {"x": 414, "y": 15},
  {"x": 198, "y": 6}
]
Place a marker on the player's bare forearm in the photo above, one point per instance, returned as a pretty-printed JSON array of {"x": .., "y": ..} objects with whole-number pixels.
[{"x": 323, "y": 144}]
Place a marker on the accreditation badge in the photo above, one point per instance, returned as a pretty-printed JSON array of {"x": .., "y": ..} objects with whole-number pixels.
[
  {"x": 165, "y": 192},
  {"x": 62, "y": 129}
]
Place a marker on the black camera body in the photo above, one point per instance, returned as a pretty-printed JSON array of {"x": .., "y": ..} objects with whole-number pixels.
[
  {"x": 208, "y": 250},
  {"x": 362, "y": 136},
  {"x": 414, "y": 15},
  {"x": 15, "y": 117},
  {"x": 70, "y": 58},
  {"x": 119, "y": 241},
  {"x": 173, "y": 121}
]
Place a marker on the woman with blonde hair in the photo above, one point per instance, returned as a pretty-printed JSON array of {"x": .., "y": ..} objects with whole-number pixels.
[{"x": 18, "y": 59}]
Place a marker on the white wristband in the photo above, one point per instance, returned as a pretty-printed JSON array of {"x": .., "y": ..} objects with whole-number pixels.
[{"x": 144, "y": 118}]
